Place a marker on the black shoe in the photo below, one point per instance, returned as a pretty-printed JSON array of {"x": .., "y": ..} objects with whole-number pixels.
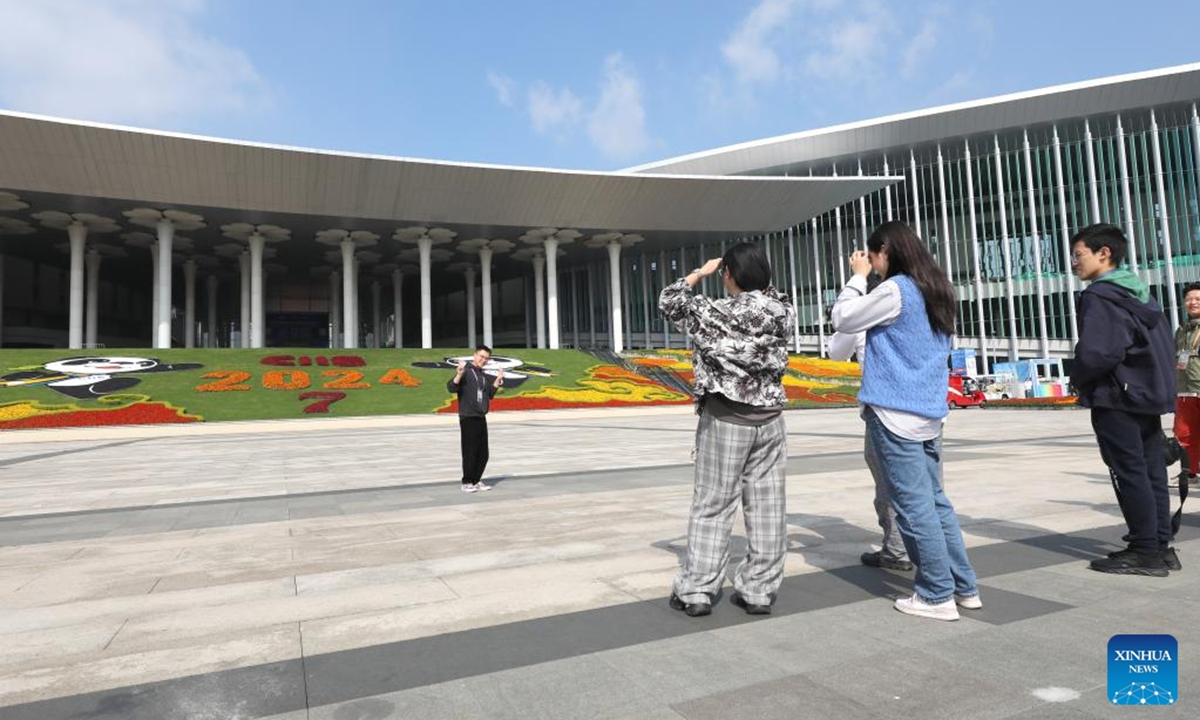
[
  {"x": 1128, "y": 562},
  {"x": 692, "y": 609},
  {"x": 1171, "y": 560},
  {"x": 878, "y": 560},
  {"x": 749, "y": 607}
]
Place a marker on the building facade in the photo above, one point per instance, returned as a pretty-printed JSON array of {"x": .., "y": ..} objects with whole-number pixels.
[{"x": 996, "y": 188}]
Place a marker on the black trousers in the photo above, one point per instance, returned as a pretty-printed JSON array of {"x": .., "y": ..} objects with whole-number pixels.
[
  {"x": 1132, "y": 447},
  {"x": 473, "y": 431}
]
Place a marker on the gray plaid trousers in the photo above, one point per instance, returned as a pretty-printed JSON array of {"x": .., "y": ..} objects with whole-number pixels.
[{"x": 735, "y": 461}]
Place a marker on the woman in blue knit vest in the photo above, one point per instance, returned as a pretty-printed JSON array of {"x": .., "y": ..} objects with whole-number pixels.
[{"x": 909, "y": 319}]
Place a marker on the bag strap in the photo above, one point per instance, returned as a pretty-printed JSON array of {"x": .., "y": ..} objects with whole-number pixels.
[{"x": 1184, "y": 477}]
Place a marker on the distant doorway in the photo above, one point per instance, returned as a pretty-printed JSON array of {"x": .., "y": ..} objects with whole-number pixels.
[{"x": 297, "y": 329}]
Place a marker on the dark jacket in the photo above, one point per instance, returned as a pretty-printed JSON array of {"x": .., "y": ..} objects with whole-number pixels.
[
  {"x": 1125, "y": 359},
  {"x": 475, "y": 391}
]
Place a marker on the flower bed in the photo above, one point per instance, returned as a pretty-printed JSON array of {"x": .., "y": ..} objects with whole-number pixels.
[{"x": 1068, "y": 401}]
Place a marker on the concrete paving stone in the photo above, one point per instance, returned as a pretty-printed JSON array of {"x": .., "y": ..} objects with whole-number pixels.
[
  {"x": 1055, "y": 711},
  {"x": 786, "y": 698},
  {"x": 695, "y": 665},
  {"x": 45, "y": 646},
  {"x": 1097, "y": 704},
  {"x": 272, "y": 689},
  {"x": 921, "y": 683},
  {"x": 83, "y": 676},
  {"x": 254, "y": 614},
  {"x": 347, "y": 632},
  {"x": 89, "y": 610}
]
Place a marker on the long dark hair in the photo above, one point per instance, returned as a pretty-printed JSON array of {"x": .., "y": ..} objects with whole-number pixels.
[{"x": 907, "y": 255}]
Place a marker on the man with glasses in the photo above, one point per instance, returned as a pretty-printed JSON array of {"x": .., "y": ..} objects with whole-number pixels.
[{"x": 474, "y": 393}]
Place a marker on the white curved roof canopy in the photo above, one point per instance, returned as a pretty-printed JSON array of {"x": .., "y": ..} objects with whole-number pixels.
[
  {"x": 1082, "y": 99},
  {"x": 48, "y": 155}
]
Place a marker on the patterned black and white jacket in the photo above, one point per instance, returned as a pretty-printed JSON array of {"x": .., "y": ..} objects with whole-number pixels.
[{"x": 740, "y": 342}]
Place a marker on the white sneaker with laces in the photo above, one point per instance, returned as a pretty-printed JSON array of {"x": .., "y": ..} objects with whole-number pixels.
[
  {"x": 969, "y": 602},
  {"x": 945, "y": 610},
  {"x": 482, "y": 486},
  {"x": 469, "y": 488}
]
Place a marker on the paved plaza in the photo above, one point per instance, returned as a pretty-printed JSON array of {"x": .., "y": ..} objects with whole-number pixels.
[{"x": 333, "y": 570}]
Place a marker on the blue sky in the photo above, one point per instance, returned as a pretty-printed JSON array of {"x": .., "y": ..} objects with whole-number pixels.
[{"x": 593, "y": 85}]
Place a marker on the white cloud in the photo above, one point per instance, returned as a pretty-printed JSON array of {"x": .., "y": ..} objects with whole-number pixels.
[
  {"x": 132, "y": 61},
  {"x": 749, "y": 51},
  {"x": 553, "y": 111},
  {"x": 617, "y": 126},
  {"x": 853, "y": 47},
  {"x": 919, "y": 49},
  {"x": 503, "y": 87}
]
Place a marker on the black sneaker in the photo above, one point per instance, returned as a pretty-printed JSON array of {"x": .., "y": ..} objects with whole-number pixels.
[
  {"x": 750, "y": 608},
  {"x": 1128, "y": 562},
  {"x": 878, "y": 560},
  {"x": 1171, "y": 560},
  {"x": 692, "y": 609}
]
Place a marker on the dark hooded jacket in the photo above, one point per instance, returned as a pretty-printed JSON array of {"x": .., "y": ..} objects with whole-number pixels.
[{"x": 1125, "y": 359}]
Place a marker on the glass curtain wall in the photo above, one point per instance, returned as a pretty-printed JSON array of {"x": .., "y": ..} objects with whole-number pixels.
[{"x": 997, "y": 212}]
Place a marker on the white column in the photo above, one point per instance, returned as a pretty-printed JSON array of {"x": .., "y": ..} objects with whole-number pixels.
[
  {"x": 795, "y": 301},
  {"x": 575, "y": 308},
  {"x": 539, "y": 294},
  {"x": 1, "y": 300},
  {"x": 662, "y": 285},
  {"x": 424, "y": 245},
  {"x": 820, "y": 295},
  {"x": 258, "y": 328},
  {"x": 375, "y": 299},
  {"x": 212, "y": 311},
  {"x": 335, "y": 309},
  {"x": 153, "y": 293},
  {"x": 862, "y": 213},
  {"x": 644, "y": 276},
  {"x": 485, "y": 281},
  {"x": 1013, "y": 353},
  {"x": 1043, "y": 335},
  {"x": 469, "y": 276},
  {"x": 1066, "y": 234},
  {"x": 397, "y": 308},
  {"x": 1126, "y": 203},
  {"x": 916, "y": 192},
  {"x": 93, "y": 297},
  {"x": 841, "y": 248},
  {"x": 189, "y": 304},
  {"x": 941, "y": 169},
  {"x": 683, "y": 268},
  {"x": 980, "y": 317},
  {"x": 77, "y": 232},
  {"x": 887, "y": 191},
  {"x": 349, "y": 324},
  {"x": 552, "y": 290},
  {"x": 244, "y": 270},
  {"x": 1164, "y": 224},
  {"x": 1091, "y": 171},
  {"x": 614, "y": 274},
  {"x": 591, "y": 301},
  {"x": 166, "y": 237},
  {"x": 628, "y": 280}
]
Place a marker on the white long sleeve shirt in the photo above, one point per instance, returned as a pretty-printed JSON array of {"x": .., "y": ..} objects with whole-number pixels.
[{"x": 857, "y": 311}]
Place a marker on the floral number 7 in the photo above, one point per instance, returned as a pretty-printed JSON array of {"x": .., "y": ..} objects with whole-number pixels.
[{"x": 324, "y": 400}]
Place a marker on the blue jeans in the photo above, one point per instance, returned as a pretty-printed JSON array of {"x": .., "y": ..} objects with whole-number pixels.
[{"x": 927, "y": 521}]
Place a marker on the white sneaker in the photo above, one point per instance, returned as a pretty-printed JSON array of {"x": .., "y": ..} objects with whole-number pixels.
[
  {"x": 969, "y": 602},
  {"x": 469, "y": 488},
  {"x": 945, "y": 610},
  {"x": 482, "y": 486}
]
